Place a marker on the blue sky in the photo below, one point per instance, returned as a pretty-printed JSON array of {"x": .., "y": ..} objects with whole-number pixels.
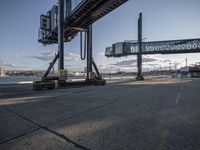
[{"x": 162, "y": 20}]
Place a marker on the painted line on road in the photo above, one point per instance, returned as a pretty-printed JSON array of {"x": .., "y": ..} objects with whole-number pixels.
[
  {"x": 163, "y": 138},
  {"x": 178, "y": 97},
  {"x": 179, "y": 94},
  {"x": 181, "y": 87}
]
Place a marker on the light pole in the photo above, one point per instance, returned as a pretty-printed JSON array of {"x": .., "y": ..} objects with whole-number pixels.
[
  {"x": 61, "y": 35},
  {"x": 185, "y": 62},
  {"x": 139, "y": 55},
  {"x": 170, "y": 67}
]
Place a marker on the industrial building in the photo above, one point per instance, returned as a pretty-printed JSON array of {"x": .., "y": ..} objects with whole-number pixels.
[{"x": 190, "y": 71}]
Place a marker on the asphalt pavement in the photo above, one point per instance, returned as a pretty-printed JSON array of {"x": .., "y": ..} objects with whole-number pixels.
[{"x": 155, "y": 114}]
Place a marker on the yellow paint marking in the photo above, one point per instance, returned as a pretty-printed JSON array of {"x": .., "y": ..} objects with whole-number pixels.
[
  {"x": 163, "y": 138},
  {"x": 178, "y": 97}
]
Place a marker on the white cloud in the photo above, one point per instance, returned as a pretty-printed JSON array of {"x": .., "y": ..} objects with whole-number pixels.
[
  {"x": 49, "y": 56},
  {"x": 72, "y": 57},
  {"x": 133, "y": 62},
  {"x": 4, "y": 64}
]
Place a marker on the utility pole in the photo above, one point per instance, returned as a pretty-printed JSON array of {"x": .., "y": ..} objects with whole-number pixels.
[
  {"x": 185, "y": 62},
  {"x": 170, "y": 67},
  {"x": 61, "y": 35},
  {"x": 139, "y": 55},
  {"x": 89, "y": 52}
]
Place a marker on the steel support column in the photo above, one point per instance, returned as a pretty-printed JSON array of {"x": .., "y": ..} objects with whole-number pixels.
[
  {"x": 61, "y": 34},
  {"x": 96, "y": 69},
  {"x": 139, "y": 55},
  {"x": 51, "y": 65},
  {"x": 89, "y": 51}
]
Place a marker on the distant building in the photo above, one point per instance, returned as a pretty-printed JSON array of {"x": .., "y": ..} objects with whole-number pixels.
[
  {"x": 2, "y": 72},
  {"x": 190, "y": 71},
  {"x": 80, "y": 74}
]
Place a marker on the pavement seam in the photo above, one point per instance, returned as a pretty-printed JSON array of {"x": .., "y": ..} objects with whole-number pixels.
[
  {"x": 19, "y": 136},
  {"x": 62, "y": 136}
]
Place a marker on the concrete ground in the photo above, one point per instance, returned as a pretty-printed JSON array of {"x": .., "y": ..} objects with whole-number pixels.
[{"x": 155, "y": 114}]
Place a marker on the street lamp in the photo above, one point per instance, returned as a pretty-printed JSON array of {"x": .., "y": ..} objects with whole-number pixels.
[
  {"x": 170, "y": 67},
  {"x": 185, "y": 62}
]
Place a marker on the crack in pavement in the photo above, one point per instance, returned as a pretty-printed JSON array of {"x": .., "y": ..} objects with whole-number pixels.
[
  {"x": 62, "y": 136},
  {"x": 67, "y": 139},
  {"x": 16, "y": 137},
  {"x": 98, "y": 107}
]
